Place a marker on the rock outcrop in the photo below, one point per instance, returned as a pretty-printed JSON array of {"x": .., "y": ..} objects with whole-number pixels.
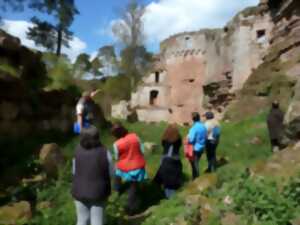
[
  {"x": 17, "y": 213},
  {"x": 25, "y": 108},
  {"x": 277, "y": 76},
  {"x": 51, "y": 159}
]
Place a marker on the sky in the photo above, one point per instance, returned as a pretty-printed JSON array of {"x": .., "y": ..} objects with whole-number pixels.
[{"x": 163, "y": 18}]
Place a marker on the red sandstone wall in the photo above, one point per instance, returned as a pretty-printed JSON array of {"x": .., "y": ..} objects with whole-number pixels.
[{"x": 185, "y": 76}]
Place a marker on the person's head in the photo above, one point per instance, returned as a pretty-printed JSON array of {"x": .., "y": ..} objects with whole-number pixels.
[
  {"x": 275, "y": 104},
  {"x": 171, "y": 134},
  {"x": 118, "y": 130},
  {"x": 89, "y": 138},
  {"x": 195, "y": 117},
  {"x": 209, "y": 115}
]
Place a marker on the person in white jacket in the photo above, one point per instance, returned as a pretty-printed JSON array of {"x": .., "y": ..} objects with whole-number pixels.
[{"x": 213, "y": 135}]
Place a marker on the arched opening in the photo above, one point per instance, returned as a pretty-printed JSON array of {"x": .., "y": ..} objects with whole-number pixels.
[{"x": 153, "y": 97}]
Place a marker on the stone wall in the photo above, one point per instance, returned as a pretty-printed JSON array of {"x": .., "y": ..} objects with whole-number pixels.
[
  {"x": 25, "y": 108},
  {"x": 192, "y": 62}
]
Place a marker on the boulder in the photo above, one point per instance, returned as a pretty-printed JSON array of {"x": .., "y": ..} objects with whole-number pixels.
[
  {"x": 201, "y": 184},
  {"x": 256, "y": 141},
  {"x": 51, "y": 159},
  {"x": 9, "y": 42},
  {"x": 231, "y": 219},
  {"x": 120, "y": 110},
  {"x": 17, "y": 213},
  {"x": 295, "y": 221}
]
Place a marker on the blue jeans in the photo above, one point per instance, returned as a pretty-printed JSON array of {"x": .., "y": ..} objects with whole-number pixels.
[
  {"x": 88, "y": 213},
  {"x": 195, "y": 164},
  {"x": 169, "y": 192}
]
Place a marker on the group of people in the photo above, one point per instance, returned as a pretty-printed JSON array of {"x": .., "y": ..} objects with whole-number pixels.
[{"x": 93, "y": 166}]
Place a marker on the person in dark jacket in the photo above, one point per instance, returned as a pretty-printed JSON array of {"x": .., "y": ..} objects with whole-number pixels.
[
  {"x": 169, "y": 173},
  {"x": 91, "y": 186},
  {"x": 275, "y": 126}
]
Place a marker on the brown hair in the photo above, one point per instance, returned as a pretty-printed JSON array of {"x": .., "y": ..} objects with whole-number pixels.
[
  {"x": 196, "y": 116},
  {"x": 171, "y": 134},
  {"x": 89, "y": 138},
  {"x": 118, "y": 130}
]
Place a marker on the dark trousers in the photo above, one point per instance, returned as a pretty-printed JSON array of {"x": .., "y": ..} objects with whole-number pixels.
[
  {"x": 275, "y": 142},
  {"x": 211, "y": 148},
  {"x": 132, "y": 200},
  {"x": 195, "y": 164}
]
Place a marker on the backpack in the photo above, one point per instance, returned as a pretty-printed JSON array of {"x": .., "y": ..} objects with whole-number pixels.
[{"x": 216, "y": 132}]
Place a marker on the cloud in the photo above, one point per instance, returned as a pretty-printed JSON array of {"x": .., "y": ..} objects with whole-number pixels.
[
  {"x": 167, "y": 17},
  {"x": 19, "y": 28}
]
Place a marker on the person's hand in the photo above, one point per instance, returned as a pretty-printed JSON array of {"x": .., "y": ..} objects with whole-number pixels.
[{"x": 94, "y": 93}]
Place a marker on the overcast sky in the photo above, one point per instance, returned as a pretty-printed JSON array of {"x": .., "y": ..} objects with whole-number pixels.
[{"x": 162, "y": 19}]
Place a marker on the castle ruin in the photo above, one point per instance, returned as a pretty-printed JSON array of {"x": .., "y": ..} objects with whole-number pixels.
[{"x": 204, "y": 68}]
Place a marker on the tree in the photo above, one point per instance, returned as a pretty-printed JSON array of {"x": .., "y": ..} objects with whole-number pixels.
[
  {"x": 129, "y": 30},
  {"x": 81, "y": 66},
  {"x": 96, "y": 65},
  {"x": 59, "y": 33},
  {"x": 108, "y": 58},
  {"x": 83, "y": 62}
]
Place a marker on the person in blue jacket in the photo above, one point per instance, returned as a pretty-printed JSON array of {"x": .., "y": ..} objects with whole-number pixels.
[{"x": 197, "y": 137}]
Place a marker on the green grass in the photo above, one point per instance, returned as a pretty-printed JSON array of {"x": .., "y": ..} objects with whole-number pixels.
[{"x": 235, "y": 146}]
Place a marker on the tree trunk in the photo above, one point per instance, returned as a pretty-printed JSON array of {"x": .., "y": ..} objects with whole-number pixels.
[{"x": 59, "y": 41}]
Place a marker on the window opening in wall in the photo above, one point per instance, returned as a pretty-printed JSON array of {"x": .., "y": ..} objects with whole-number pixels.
[
  {"x": 260, "y": 33},
  {"x": 156, "y": 77},
  {"x": 153, "y": 97},
  {"x": 188, "y": 43}
]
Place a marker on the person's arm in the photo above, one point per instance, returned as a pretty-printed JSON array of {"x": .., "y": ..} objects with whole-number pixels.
[
  {"x": 192, "y": 136},
  {"x": 142, "y": 147},
  {"x": 110, "y": 164},
  {"x": 73, "y": 166},
  {"x": 80, "y": 121},
  {"x": 79, "y": 113},
  {"x": 116, "y": 151}
]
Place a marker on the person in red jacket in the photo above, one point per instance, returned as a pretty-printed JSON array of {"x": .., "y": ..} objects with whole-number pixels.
[{"x": 130, "y": 165}]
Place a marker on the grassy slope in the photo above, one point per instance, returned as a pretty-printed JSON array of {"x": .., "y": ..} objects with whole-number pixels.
[{"x": 235, "y": 145}]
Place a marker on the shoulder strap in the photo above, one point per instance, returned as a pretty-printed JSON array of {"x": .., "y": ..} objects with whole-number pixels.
[{"x": 170, "y": 151}]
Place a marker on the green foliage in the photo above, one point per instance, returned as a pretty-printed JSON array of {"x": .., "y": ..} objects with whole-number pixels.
[
  {"x": 43, "y": 34},
  {"x": 8, "y": 69},
  {"x": 291, "y": 191},
  {"x": 59, "y": 33},
  {"x": 96, "y": 65},
  {"x": 259, "y": 200},
  {"x": 60, "y": 73}
]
